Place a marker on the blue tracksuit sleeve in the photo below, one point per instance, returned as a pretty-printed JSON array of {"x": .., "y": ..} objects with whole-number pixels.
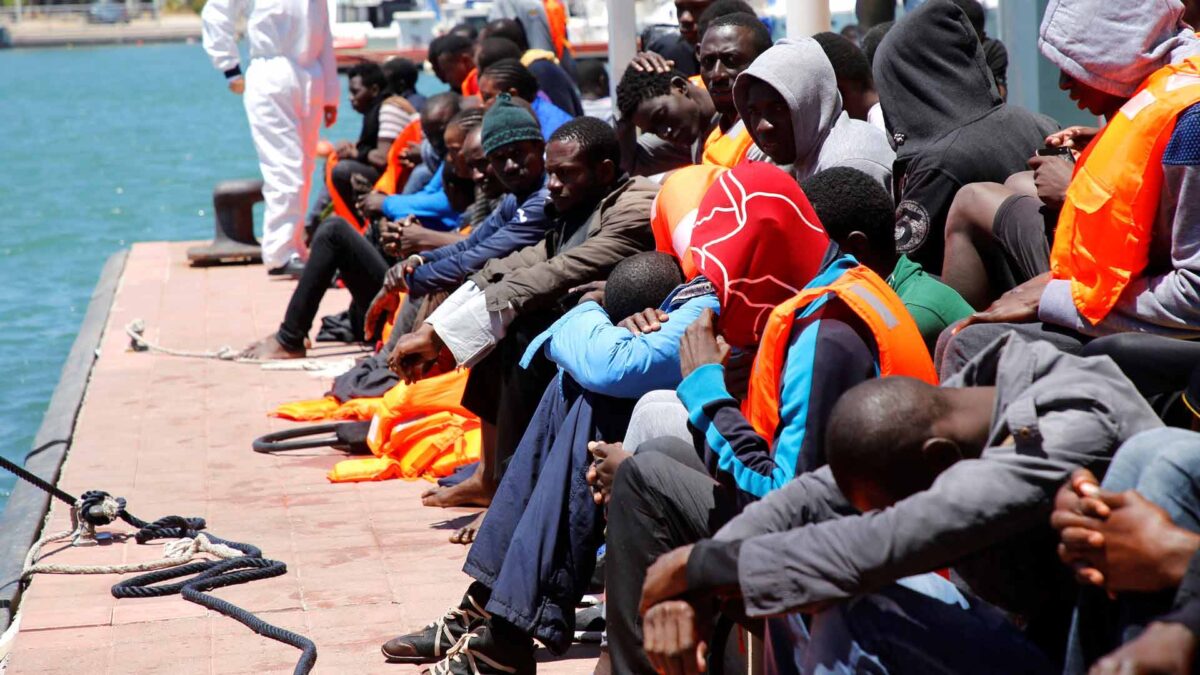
[
  {"x": 826, "y": 356},
  {"x": 610, "y": 360},
  {"x": 526, "y": 226},
  {"x": 430, "y": 205}
]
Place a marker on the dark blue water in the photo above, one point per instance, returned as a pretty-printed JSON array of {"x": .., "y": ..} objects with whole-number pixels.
[{"x": 99, "y": 148}]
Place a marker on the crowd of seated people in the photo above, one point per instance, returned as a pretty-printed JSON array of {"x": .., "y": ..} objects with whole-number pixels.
[{"x": 825, "y": 347}]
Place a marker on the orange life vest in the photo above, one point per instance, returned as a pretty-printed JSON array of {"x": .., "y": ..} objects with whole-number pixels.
[
  {"x": 673, "y": 214},
  {"x": 1106, "y": 223},
  {"x": 698, "y": 81},
  {"x": 430, "y": 447},
  {"x": 396, "y": 174},
  {"x": 556, "y": 17},
  {"x": 727, "y": 149},
  {"x": 901, "y": 349},
  {"x": 470, "y": 86}
]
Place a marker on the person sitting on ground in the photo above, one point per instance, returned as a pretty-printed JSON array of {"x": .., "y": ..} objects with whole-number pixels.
[
  {"x": 452, "y": 59},
  {"x": 403, "y": 74},
  {"x": 823, "y": 338},
  {"x": 854, "y": 80},
  {"x": 789, "y": 100},
  {"x": 600, "y": 216},
  {"x": 366, "y": 157},
  {"x": 952, "y": 130},
  {"x": 551, "y": 76},
  {"x": 858, "y": 214},
  {"x": 517, "y": 595},
  {"x": 594, "y": 87},
  {"x": 919, "y": 478},
  {"x": 509, "y": 76},
  {"x": 1131, "y": 541},
  {"x": 429, "y": 205},
  {"x": 1136, "y": 177},
  {"x": 543, "y": 26}
]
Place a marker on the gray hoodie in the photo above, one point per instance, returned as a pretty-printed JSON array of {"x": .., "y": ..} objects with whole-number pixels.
[
  {"x": 1113, "y": 45},
  {"x": 825, "y": 135}
]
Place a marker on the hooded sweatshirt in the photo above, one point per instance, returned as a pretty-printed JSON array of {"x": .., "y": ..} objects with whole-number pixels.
[
  {"x": 1113, "y": 45},
  {"x": 825, "y": 135},
  {"x": 948, "y": 122}
]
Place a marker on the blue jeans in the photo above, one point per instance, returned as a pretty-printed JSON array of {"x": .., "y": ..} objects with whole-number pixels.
[
  {"x": 1163, "y": 465},
  {"x": 921, "y": 624},
  {"x": 536, "y": 549}
]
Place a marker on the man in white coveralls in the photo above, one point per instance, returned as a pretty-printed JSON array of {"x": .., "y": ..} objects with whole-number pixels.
[{"x": 291, "y": 81}]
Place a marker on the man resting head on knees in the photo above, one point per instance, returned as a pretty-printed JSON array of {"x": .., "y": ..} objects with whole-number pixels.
[
  {"x": 858, "y": 214},
  {"x": 638, "y": 282}
]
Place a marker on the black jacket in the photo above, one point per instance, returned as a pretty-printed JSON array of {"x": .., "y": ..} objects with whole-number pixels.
[{"x": 948, "y": 122}]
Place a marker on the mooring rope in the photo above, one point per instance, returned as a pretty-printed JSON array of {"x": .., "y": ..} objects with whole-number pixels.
[{"x": 238, "y": 563}]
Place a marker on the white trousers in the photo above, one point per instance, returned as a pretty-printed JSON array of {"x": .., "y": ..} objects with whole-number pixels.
[{"x": 284, "y": 106}]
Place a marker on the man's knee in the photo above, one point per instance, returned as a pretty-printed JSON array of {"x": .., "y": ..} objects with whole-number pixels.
[
  {"x": 638, "y": 476},
  {"x": 974, "y": 208}
]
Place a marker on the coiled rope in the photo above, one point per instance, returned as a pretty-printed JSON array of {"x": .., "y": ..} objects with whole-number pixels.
[{"x": 238, "y": 563}]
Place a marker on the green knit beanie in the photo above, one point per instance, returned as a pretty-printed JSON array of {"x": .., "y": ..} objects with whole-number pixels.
[{"x": 506, "y": 122}]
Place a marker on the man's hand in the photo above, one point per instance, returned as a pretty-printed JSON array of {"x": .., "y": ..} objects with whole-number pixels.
[
  {"x": 1161, "y": 649},
  {"x": 648, "y": 320},
  {"x": 415, "y": 237},
  {"x": 414, "y": 352},
  {"x": 330, "y": 115},
  {"x": 1051, "y": 175},
  {"x": 371, "y": 204},
  {"x": 1076, "y": 137},
  {"x": 238, "y": 85},
  {"x": 389, "y": 236},
  {"x": 1135, "y": 547},
  {"x": 385, "y": 304},
  {"x": 651, "y": 62},
  {"x": 411, "y": 156},
  {"x": 666, "y": 579},
  {"x": 701, "y": 345},
  {"x": 593, "y": 291},
  {"x": 1020, "y": 305},
  {"x": 345, "y": 150},
  {"x": 603, "y": 470},
  {"x": 671, "y": 638}
]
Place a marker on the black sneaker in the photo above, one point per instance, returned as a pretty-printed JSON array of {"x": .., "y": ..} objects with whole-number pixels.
[
  {"x": 293, "y": 268},
  {"x": 433, "y": 642},
  {"x": 589, "y": 624},
  {"x": 479, "y": 652}
]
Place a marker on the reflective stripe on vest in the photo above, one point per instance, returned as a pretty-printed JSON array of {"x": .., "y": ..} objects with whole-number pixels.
[
  {"x": 729, "y": 149},
  {"x": 673, "y": 214},
  {"x": 898, "y": 341},
  {"x": 1107, "y": 221}
]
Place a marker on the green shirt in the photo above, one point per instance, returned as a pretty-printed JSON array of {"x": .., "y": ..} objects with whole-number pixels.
[{"x": 932, "y": 304}]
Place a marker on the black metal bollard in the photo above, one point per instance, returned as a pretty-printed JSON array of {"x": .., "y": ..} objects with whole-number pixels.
[{"x": 233, "y": 212}]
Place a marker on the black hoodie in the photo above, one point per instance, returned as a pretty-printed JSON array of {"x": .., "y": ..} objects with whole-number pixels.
[{"x": 949, "y": 124}]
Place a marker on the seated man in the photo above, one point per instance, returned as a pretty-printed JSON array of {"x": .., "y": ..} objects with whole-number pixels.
[
  {"x": 953, "y": 129},
  {"x": 402, "y": 74},
  {"x": 545, "y": 66},
  {"x": 429, "y": 205},
  {"x": 838, "y": 325},
  {"x": 858, "y": 214},
  {"x": 680, "y": 46},
  {"x": 789, "y": 100},
  {"x": 1124, "y": 255},
  {"x": 854, "y": 80},
  {"x": 509, "y": 76},
  {"x": 516, "y": 597},
  {"x": 452, "y": 58},
  {"x": 1131, "y": 541},
  {"x": 677, "y": 113},
  {"x": 920, "y": 478},
  {"x": 593, "y": 86},
  {"x": 339, "y": 249},
  {"x": 600, "y": 216}
]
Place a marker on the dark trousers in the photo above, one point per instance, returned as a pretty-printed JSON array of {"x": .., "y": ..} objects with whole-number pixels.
[
  {"x": 502, "y": 393},
  {"x": 1155, "y": 364},
  {"x": 662, "y": 499},
  {"x": 337, "y": 248},
  {"x": 537, "y": 547}
]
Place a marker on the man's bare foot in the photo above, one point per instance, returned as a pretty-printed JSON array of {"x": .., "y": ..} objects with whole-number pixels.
[
  {"x": 473, "y": 491},
  {"x": 466, "y": 535},
  {"x": 269, "y": 348}
]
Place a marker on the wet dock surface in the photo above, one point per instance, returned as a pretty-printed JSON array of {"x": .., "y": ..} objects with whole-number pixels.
[{"x": 172, "y": 435}]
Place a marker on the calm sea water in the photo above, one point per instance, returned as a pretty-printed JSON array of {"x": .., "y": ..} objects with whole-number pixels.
[{"x": 100, "y": 148}]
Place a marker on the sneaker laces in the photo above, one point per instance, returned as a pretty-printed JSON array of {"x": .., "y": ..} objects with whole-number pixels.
[
  {"x": 459, "y": 615},
  {"x": 461, "y": 653}
]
